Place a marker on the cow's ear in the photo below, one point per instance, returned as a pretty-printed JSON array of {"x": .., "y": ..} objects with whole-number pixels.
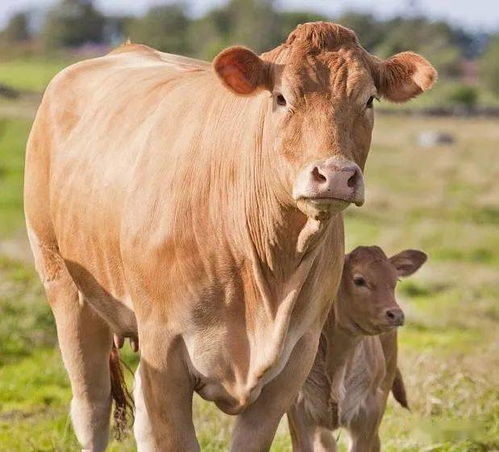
[
  {"x": 242, "y": 71},
  {"x": 408, "y": 262},
  {"x": 403, "y": 76}
]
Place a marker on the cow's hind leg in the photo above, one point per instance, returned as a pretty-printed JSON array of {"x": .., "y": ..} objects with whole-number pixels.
[{"x": 85, "y": 342}]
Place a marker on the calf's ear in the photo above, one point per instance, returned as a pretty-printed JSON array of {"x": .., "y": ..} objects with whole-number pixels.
[
  {"x": 408, "y": 262},
  {"x": 242, "y": 71},
  {"x": 403, "y": 76}
]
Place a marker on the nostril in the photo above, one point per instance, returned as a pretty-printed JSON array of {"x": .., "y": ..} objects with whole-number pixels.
[
  {"x": 318, "y": 176},
  {"x": 352, "y": 180},
  {"x": 395, "y": 316}
]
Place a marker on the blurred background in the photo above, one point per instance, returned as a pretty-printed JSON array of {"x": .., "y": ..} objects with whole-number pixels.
[{"x": 432, "y": 183}]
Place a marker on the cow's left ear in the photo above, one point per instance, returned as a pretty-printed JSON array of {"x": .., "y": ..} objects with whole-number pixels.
[
  {"x": 408, "y": 262},
  {"x": 403, "y": 76},
  {"x": 242, "y": 71}
]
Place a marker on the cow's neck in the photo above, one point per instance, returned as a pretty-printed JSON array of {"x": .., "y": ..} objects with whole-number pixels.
[
  {"x": 280, "y": 233},
  {"x": 284, "y": 248}
]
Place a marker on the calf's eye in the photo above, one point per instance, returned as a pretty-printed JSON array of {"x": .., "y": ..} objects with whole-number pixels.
[
  {"x": 359, "y": 281},
  {"x": 280, "y": 100},
  {"x": 370, "y": 102}
]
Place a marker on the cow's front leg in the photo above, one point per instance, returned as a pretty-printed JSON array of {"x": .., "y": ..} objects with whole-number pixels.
[
  {"x": 256, "y": 426},
  {"x": 163, "y": 395}
]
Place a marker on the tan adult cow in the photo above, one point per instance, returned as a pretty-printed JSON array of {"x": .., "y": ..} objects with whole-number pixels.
[{"x": 198, "y": 206}]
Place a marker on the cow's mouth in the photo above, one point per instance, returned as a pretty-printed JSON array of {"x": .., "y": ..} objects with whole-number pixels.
[
  {"x": 323, "y": 208},
  {"x": 331, "y": 200}
]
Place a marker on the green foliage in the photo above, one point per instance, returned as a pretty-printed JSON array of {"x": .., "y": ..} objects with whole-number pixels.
[
  {"x": 244, "y": 14},
  {"x": 464, "y": 95},
  {"x": 235, "y": 24},
  {"x": 73, "y": 23},
  {"x": 17, "y": 29},
  {"x": 369, "y": 30},
  {"x": 163, "y": 27},
  {"x": 489, "y": 65},
  {"x": 434, "y": 40}
]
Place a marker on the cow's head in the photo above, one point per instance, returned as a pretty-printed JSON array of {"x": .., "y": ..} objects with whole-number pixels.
[
  {"x": 366, "y": 299},
  {"x": 322, "y": 87}
]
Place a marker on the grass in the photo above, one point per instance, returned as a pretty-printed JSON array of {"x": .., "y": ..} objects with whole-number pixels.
[
  {"x": 442, "y": 200},
  {"x": 13, "y": 136},
  {"x": 29, "y": 74}
]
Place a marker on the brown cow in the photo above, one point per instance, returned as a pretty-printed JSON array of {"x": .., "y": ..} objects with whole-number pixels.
[
  {"x": 356, "y": 364},
  {"x": 199, "y": 207}
]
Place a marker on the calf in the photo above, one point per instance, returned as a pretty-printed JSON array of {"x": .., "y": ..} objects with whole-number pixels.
[{"x": 356, "y": 364}]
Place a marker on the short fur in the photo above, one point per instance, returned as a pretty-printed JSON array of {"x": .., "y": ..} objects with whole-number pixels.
[
  {"x": 356, "y": 364},
  {"x": 159, "y": 200}
]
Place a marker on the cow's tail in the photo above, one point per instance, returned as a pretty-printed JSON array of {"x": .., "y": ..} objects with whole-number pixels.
[
  {"x": 123, "y": 401},
  {"x": 398, "y": 390}
]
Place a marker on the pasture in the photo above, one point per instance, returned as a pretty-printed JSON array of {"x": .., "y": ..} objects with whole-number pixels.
[{"x": 442, "y": 199}]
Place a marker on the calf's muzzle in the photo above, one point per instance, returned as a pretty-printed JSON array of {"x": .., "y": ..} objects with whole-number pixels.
[{"x": 395, "y": 316}]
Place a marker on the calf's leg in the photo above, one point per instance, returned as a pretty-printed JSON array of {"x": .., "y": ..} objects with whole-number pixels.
[
  {"x": 364, "y": 428},
  {"x": 306, "y": 434}
]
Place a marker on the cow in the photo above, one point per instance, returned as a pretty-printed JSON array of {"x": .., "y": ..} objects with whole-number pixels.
[
  {"x": 197, "y": 207},
  {"x": 356, "y": 364}
]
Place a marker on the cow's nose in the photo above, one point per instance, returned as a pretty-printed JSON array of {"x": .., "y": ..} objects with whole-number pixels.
[
  {"x": 338, "y": 179},
  {"x": 395, "y": 316},
  {"x": 331, "y": 179}
]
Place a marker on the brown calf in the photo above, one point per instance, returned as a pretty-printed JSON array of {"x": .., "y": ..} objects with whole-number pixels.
[{"x": 356, "y": 365}]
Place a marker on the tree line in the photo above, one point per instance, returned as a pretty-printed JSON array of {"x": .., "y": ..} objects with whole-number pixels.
[{"x": 257, "y": 24}]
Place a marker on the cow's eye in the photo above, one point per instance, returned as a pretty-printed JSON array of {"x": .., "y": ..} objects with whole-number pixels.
[
  {"x": 280, "y": 100},
  {"x": 370, "y": 102},
  {"x": 359, "y": 281}
]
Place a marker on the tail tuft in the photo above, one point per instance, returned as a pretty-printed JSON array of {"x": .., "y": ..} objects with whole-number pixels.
[
  {"x": 398, "y": 390},
  {"x": 123, "y": 401}
]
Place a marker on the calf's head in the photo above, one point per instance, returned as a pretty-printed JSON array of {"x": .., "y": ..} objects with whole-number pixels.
[
  {"x": 366, "y": 301},
  {"x": 321, "y": 86}
]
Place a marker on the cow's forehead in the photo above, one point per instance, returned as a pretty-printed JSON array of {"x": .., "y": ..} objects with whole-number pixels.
[
  {"x": 338, "y": 73},
  {"x": 324, "y": 58}
]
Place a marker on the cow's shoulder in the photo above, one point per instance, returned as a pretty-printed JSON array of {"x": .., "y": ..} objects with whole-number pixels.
[
  {"x": 143, "y": 52},
  {"x": 129, "y": 69}
]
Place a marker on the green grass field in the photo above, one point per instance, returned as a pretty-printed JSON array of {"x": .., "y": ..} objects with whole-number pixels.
[
  {"x": 443, "y": 200},
  {"x": 29, "y": 75}
]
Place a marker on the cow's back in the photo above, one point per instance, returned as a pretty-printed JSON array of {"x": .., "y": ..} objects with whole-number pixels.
[{"x": 97, "y": 120}]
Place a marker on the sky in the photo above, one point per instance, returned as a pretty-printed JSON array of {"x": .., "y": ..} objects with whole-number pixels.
[{"x": 472, "y": 14}]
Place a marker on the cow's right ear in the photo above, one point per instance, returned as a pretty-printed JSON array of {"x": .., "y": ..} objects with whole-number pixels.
[{"x": 242, "y": 71}]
